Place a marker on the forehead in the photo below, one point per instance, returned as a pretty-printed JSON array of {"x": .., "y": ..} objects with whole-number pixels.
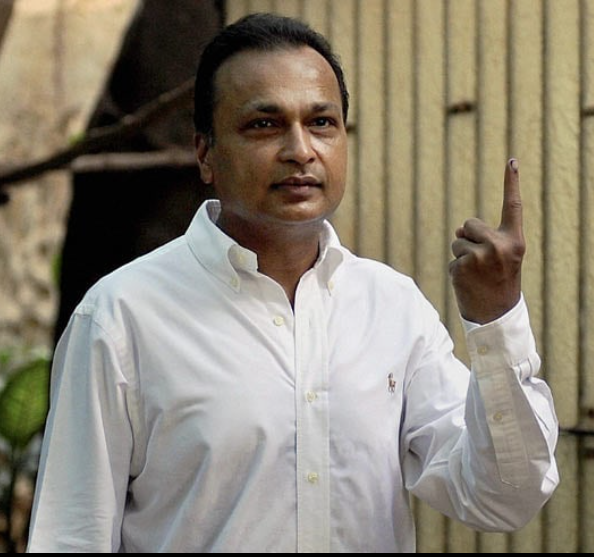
[{"x": 279, "y": 76}]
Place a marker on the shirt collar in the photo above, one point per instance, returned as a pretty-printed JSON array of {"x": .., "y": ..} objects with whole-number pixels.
[{"x": 226, "y": 259}]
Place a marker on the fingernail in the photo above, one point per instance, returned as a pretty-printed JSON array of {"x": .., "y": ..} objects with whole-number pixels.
[{"x": 513, "y": 163}]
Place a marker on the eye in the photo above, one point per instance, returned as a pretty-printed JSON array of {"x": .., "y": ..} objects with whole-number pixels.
[
  {"x": 323, "y": 122},
  {"x": 261, "y": 124}
]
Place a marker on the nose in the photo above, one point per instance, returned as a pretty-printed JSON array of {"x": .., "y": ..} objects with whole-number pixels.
[{"x": 297, "y": 145}]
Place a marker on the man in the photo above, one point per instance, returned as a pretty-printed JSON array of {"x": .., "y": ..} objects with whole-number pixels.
[{"x": 253, "y": 386}]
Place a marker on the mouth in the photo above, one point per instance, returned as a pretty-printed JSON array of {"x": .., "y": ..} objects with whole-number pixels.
[{"x": 297, "y": 183}]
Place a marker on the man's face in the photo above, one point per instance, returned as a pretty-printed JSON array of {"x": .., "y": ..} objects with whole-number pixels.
[{"x": 280, "y": 146}]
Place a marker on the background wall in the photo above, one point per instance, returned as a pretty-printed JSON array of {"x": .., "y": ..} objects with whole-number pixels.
[
  {"x": 55, "y": 57},
  {"x": 444, "y": 91}
]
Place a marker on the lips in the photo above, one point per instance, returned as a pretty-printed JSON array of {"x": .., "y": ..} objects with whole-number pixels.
[{"x": 298, "y": 181}]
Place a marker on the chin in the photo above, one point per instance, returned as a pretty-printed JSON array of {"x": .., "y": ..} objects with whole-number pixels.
[
  {"x": 303, "y": 217},
  {"x": 306, "y": 212}
]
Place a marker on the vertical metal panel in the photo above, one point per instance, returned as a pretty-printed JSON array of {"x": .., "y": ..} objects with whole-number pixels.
[
  {"x": 261, "y": 6},
  {"x": 291, "y": 8},
  {"x": 492, "y": 148},
  {"x": 342, "y": 33},
  {"x": 561, "y": 204},
  {"x": 526, "y": 132},
  {"x": 526, "y": 114},
  {"x": 346, "y": 217},
  {"x": 587, "y": 219},
  {"x": 399, "y": 131},
  {"x": 492, "y": 107},
  {"x": 586, "y": 487},
  {"x": 424, "y": 156},
  {"x": 561, "y": 135},
  {"x": 525, "y": 136},
  {"x": 587, "y": 281},
  {"x": 431, "y": 529},
  {"x": 235, "y": 9},
  {"x": 430, "y": 226},
  {"x": 317, "y": 14},
  {"x": 560, "y": 534},
  {"x": 492, "y": 543},
  {"x": 460, "y": 181},
  {"x": 460, "y": 138},
  {"x": 370, "y": 130},
  {"x": 429, "y": 192}
]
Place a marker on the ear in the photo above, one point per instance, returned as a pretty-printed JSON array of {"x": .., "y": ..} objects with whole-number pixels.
[{"x": 203, "y": 157}]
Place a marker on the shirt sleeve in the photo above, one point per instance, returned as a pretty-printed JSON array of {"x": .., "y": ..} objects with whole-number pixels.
[
  {"x": 488, "y": 459},
  {"x": 85, "y": 460}
]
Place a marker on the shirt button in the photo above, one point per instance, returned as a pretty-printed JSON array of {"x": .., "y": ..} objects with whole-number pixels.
[
  {"x": 234, "y": 282},
  {"x": 330, "y": 285},
  {"x": 498, "y": 416},
  {"x": 278, "y": 320},
  {"x": 311, "y": 396},
  {"x": 313, "y": 477},
  {"x": 483, "y": 350}
]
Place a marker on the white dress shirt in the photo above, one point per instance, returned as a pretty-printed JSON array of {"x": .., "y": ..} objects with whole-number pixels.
[{"x": 193, "y": 410}]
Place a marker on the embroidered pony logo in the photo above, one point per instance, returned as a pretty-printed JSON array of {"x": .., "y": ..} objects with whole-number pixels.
[{"x": 391, "y": 383}]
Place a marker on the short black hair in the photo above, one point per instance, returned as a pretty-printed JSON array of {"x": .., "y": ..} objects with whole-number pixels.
[{"x": 264, "y": 32}]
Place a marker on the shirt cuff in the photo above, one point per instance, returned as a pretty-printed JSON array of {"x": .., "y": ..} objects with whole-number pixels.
[
  {"x": 507, "y": 342},
  {"x": 471, "y": 325}
]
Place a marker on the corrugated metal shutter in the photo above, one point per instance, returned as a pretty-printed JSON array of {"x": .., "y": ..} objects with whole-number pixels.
[{"x": 443, "y": 92}]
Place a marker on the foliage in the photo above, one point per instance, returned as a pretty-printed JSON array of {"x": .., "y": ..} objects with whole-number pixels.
[{"x": 24, "y": 381}]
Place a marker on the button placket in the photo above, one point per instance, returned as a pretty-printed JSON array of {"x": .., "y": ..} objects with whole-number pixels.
[
  {"x": 483, "y": 350},
  {"x": 313, "y": 477},
  {"x": 311, "y": 360},
  {"x": 278, "y": 320},
  {"x": 497, "y": 417}
]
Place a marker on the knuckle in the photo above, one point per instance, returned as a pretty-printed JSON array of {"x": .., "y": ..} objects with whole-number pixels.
[
  {"x": 472, "y": 223},
  {"x": 498, "y": 249},
  {"x": 515, "y": 204},
  {"x": 518, "y": 248},
  {"x": 504, "y": 248}
]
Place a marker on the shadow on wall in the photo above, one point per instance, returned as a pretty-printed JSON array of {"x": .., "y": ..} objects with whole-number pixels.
[{"x": 119, "y": 214}]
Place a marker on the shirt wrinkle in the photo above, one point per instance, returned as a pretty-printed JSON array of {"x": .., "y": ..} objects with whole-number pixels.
[{"x": 253, "y": 427}]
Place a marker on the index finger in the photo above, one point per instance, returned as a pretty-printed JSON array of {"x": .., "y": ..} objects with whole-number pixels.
[{"x": 511, "y": 213}]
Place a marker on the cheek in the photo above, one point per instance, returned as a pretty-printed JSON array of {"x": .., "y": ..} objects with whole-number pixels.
[
  {"x": 239, "y": 173},
  {"x": 337, "y": 166},
  {"x": 226, "y": 166},
  {"x": 238, "y": 160}
]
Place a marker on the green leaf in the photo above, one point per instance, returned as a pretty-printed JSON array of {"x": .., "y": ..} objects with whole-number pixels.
[
  {"x": 76, "y": 138},
  {"x": 5, "y": 358},
  {"x": 24, "y": 403}
]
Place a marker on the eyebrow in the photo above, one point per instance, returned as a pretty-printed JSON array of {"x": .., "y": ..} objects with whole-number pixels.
[{"x": 271, "y": 108}]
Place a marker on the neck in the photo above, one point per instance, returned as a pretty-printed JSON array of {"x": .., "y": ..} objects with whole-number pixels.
[{"x": 285, "y": 253}]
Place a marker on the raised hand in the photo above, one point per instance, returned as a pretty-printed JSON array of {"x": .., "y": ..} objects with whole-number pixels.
[{"x": 486, "y": 273}]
